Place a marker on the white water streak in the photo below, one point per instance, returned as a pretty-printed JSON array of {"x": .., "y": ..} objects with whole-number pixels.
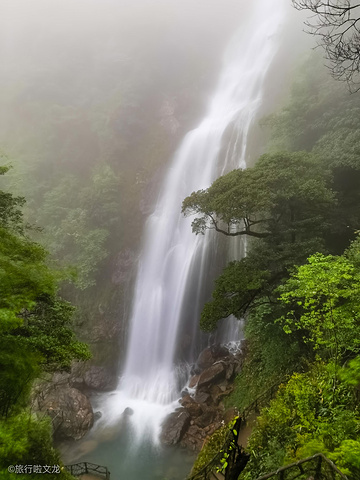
[{"x": 149, "y": 382}]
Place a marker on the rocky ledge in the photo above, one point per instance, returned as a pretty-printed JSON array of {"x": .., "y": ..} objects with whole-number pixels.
[
  {"x": 64, "y": 397},
  {"x": 201, "y": 410},
  {"x": 70, "y": 410}
]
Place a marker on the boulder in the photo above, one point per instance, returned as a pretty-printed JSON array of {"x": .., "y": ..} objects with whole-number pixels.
[
  {"x": 193, "y": 381},
  {"x": 194, "y": 409},
  {"x": 128, "y": 412},
  {"x": 215, "y": 392},
  {"x": 212, "y": 378},
  {"x": 213, "y": 427},
  {"x": 97, "y": 415},
  {"x": 193, "y": 439},
  {"x": 206, "y": 418},
  {"x": 212, "y": 374},
  {"x": 201, "y": 396},
  {"x": 175, "y": 426},
  {"x": 230, "y": 370},
  {"x": 210, "y": 355},
  {"x": 186, "y": 399},
  {"x": 70, "y": 410},
  {"x": 206, "y": 359}
]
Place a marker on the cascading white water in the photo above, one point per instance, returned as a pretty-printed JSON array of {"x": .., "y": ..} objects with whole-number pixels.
[{"x": 149, "y": 384}]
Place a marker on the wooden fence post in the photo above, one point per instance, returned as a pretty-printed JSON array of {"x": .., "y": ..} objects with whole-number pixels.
[{"x": 318, "y": 469}]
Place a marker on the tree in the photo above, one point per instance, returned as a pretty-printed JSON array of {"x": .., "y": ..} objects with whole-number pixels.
[
  {"x": 24, "y": 276},
  {"x": 284, "y": 193},
  {"x": 336, "y": 23},
  {"x": 323, "y": 296},
  {"x": 35, "y": 324},
  {"x": 237, "y": 288},
  {"x": 25, "y": 440},
  {"x": 285, "y": 203},
  {"x": 10, "y": 208}
]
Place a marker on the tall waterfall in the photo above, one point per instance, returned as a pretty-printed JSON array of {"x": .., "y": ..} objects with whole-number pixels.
[{"x": 172, "y": 256}]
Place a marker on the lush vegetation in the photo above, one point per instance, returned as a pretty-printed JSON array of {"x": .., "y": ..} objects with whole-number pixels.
[
  {"x": 298, "y": 287},
  {"x": 35, "y": 337},
  {"x": 211, "y": 448}
]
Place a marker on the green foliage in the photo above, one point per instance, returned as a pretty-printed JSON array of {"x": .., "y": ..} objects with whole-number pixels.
[
  {"x": 35, "y": 336},
  {"x": 69, "y": 233},
  {"x": 271, "y": 356},
  {"x": 26, "y": 440},
  {"x": 231, "y": 445},
  {"x": 315, "y": 108},
  {"x": 347, "y": 457},
  {"x": 19, "y": 366},
  {"x": 46, "y": 330},
  {"x": 305, "y": 206},
  {"x": 284, "y": 193},
  {"x": 210, "y": 449},
  {"x": 323, "y": 297},
  {"x": 307, "y": 416},
  {"x": 286, "y": 203},
  {"x": 235, "y": 290},
  {"x": 24, "y": 276},
  {"x": 350, "y": 374},
  {"x": 322, "y": 118},
  {"x": 10, "y": 208}
]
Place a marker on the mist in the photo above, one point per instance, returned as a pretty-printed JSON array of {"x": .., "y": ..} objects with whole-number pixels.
[{"x": 111, "y": 113}]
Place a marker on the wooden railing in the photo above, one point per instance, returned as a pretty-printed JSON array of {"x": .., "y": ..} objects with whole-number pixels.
[
  {"x": 261, "y": 400},
  {"x": 317, "y": 467},
  {"x": 214, "y": 463},
  {"x": 85, "y": 467}
]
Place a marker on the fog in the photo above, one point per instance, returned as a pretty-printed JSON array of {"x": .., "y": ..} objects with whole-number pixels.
[
  {"x": 73, "y": 53},
  {"x": 76, "y": 52},
  {"x": 45, "y": 31}
]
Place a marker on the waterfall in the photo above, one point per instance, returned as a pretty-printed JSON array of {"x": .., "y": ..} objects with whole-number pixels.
[{"x": 173, "y": 257}]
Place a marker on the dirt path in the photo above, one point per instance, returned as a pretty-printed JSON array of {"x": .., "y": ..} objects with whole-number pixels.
[{"x": 245, "y": 432}]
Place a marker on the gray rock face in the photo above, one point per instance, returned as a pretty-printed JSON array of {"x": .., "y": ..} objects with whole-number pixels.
[
  {"x": 92, "y": 377},
  {"x": 212, "y": 374},
  {"x": 124, "y": 264},
  {"x": 167, "y": 116},
  {"x": 206, "y": 359},
  {"x": 98, "y": 378},
  {"x": 174, "y": 427},
  {"x": 70, "y": 410}
]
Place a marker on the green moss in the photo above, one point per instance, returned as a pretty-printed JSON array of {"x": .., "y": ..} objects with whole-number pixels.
[{"x": 211, "y": 448}]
